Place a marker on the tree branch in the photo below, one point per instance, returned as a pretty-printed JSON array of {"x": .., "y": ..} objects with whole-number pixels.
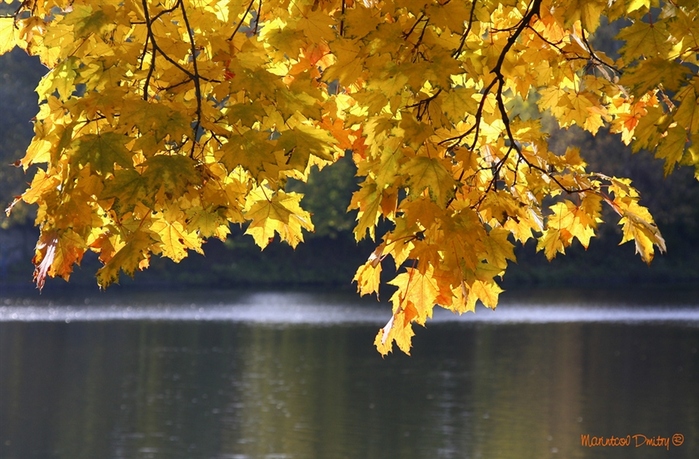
[{"x": 195, "y": 78}]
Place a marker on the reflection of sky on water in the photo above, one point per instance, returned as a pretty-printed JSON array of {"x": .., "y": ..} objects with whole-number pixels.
[
  {"x": 272, "y": 375},
  {"x": 299, "y": 308}
]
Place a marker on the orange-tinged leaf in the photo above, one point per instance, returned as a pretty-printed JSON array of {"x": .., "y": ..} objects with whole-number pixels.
[{"x": 55, "y": 255}]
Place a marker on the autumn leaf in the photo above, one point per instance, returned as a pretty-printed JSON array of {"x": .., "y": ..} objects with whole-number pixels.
[
  {"x": 56, "y": 254},
  {"x": 429, "y": 173},
  {"x": 7, "y": 35},
  {"x": 174, "y": 238},
  {"x": 368, "y": 278},
  {"x": 412, "y": 302},
  {"x": 129, "y": 257},
  {"x": 103, "y": 152},
  {"x": 279, "y": 213}
]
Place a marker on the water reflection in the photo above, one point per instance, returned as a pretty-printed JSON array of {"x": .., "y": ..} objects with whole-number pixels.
[
  {"x": 186, "y": 389},
  {"x": 332, "y": 309}
]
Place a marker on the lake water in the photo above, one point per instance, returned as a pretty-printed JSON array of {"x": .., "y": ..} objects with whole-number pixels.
[{"x": 235, "y": 375}]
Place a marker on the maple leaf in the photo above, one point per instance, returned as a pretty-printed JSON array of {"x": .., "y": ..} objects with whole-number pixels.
[
  {"x": 429, "y": 173},
  {"x": 60, "y": 79},
  {"x": 302, "y": 141},
  {"x": 498, "y": 248},
  {"x": 486, "y": 291},
  {"x": 7, "y": 35},
  {"x": 127, "y": 258},
  {"x": 207, "y": 222},
  {"x": 459, "y": 103},
  {"x": 250, "y": 150},
  {"x": 86, "y": 21},
  {"x": 637, "y": 227},
  {"x": 412, "y": 302},
  {"x": 588, "y": 12},
  {"x": 170, "y": 173},
  {"x": 671, "y": 147},
  {"x": 368, "y": 278},
  {"x": 55, "y": 255},
  {"x": 553, "y": 242},
  {"x": 368, "y": 201},
  {"x": 276, "y": 213},
  {"x": 645, "y": 39},
  {"x": 650, "y": 73},
  {"x": 103, "y": 151},
  {"x": 174, "y": 238}
]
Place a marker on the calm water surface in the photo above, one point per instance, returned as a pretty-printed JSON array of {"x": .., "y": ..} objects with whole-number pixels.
[{"x": 292, "y": 375}]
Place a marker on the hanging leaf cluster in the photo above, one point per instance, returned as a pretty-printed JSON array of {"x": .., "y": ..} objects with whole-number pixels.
[{"x": 164, "y": 122}]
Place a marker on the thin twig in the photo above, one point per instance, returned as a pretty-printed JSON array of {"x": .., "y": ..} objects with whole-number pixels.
[
  {"x": 242, "y": 19},
  {"x": 471, "y": 16},
  {"x": 195, "y": 78}
]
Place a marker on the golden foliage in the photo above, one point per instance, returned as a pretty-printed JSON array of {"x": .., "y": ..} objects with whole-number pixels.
[{"x": 164, "y": 122}]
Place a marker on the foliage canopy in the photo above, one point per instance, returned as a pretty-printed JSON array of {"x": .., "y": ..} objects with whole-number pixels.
[{"x": 163, "y": 122}]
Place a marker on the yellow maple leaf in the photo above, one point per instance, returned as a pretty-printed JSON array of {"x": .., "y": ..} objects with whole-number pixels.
[
  {"x": 7, "y": 35},
  {"x": 368, "y": 276},
  {"x": 277, "y": 212},
  {"x": 368, "y": 201},
  {"x": 132, "y": 255},
  {"x": 551, "y": 242},
  {"x": 498, "y": 248},
  {"x": 412, "y": 302},
  {"x": 638, "y": 226},
  {"x": 429, "y": 173},
  {"x": 486, "y": 291},
  {"x": 175, "y": 239}
]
